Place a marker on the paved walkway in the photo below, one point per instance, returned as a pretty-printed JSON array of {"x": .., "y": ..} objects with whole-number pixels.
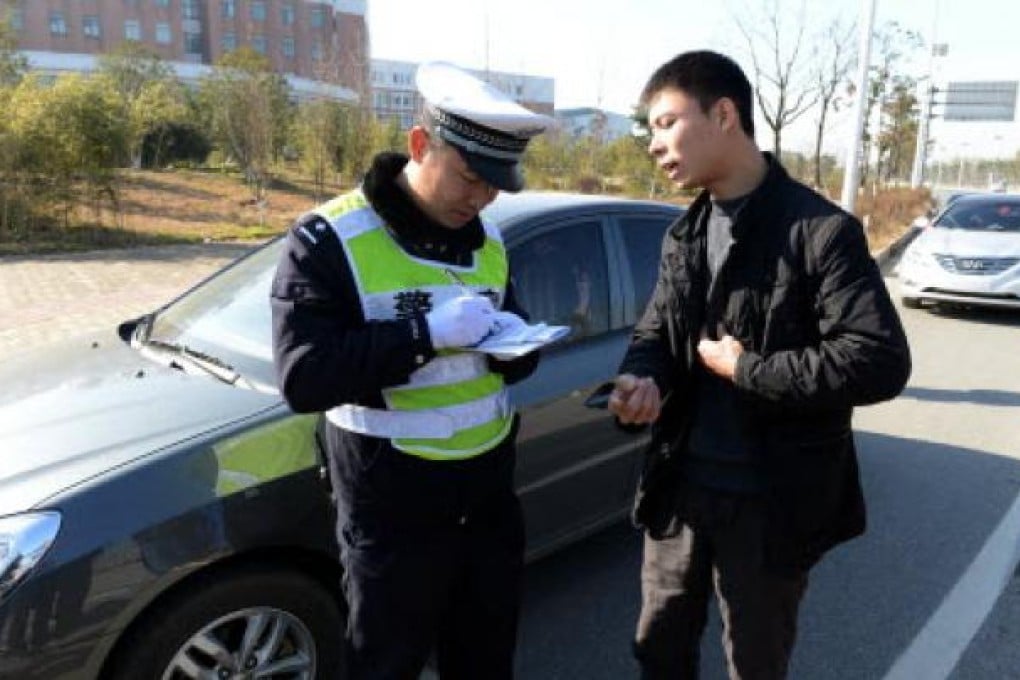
[{"x": 49, "y": 297}]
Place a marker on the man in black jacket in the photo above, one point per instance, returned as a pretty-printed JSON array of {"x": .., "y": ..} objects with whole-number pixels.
[
  {"x": 769, "y": 323},
  {"x": 378, "y": 296}
]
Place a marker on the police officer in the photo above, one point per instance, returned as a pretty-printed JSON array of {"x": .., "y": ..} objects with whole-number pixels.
[{"x": 376, "y": 296}]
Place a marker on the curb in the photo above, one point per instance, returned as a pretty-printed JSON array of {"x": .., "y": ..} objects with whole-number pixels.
[{"x": 885, "y": 256}]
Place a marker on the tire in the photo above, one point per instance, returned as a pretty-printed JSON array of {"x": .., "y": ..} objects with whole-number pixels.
[
  {"x": 295, "y": 621},
  {"x": 911, "y": 303}
]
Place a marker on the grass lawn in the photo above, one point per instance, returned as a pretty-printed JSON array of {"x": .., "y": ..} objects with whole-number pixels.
[
  {"x": 186, "y": 206},
  {"x": 179, "y": 206}
]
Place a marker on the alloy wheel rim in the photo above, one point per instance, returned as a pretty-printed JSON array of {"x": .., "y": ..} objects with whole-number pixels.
[{"x": 248, "y": 644}]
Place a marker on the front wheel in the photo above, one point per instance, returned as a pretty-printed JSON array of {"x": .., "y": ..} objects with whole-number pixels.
[{"x": 257, "y": 623}]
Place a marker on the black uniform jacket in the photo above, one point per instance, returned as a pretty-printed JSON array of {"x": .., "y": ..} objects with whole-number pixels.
[
  {"x": 802, "y": 294},
  {"x": 325, "y": 353}
]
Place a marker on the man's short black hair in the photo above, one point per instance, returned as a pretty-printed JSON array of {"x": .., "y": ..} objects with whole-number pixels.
[{"x": 708, "y": 77}]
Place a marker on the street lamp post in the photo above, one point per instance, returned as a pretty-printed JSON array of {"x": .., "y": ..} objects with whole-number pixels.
[
  {"x": 939, "y": 164},
  {"x": 852, "y": 173},
  {"x": 963, "y": 163},
  {"x": 921, "y": 150}
]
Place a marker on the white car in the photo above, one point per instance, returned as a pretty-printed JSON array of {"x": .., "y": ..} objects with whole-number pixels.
[{"x": 969, "y": 255}]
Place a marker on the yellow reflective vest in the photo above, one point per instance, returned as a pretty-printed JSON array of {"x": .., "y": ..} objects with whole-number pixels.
[{"x": 453, "y": 407}]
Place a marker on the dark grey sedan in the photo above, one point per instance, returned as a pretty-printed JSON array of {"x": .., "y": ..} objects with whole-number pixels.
[{"x": 164, "y": 515}]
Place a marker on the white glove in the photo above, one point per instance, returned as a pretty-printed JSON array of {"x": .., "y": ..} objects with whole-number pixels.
[{"x": 460, "y": 322}]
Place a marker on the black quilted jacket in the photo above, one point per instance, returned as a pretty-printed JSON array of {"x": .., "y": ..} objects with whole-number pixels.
[{"x": 801, "y": 292}]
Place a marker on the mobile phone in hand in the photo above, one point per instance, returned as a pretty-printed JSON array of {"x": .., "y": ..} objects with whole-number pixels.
[{"x": 600, "y": 397}]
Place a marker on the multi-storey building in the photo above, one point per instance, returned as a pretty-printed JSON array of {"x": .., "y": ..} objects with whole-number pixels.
[
  {"x": 394, "y": 95},
  {"x": 320, "y": 45}
]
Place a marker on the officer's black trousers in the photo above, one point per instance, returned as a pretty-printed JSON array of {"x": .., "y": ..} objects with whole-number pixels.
[{"x": 432, "y": 555}]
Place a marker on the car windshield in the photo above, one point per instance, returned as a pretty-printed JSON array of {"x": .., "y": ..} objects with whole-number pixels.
[
  {"x": 987, "y": 215},
  {"x": 227, "y": 317}
]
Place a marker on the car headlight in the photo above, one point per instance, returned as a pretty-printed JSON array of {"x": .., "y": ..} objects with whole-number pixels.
[
  {"x": 24, "y": 539},
  {"x": 918, "y": 257}
]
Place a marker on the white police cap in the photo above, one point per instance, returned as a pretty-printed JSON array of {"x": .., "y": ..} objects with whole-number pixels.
[{"x": 488, "y": 128}]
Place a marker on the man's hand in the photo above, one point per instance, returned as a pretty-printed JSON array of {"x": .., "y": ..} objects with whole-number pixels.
[
  {"x": 635, "y": 401},
  {"x": 720, "y": 356},
  {"x": 460, "y": 321}
]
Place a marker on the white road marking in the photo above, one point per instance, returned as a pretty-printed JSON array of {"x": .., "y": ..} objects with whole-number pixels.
[{"x": 938, "y": 647}]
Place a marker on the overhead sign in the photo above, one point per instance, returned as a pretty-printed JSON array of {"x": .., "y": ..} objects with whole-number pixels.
[{"x": 989, "y": 100}]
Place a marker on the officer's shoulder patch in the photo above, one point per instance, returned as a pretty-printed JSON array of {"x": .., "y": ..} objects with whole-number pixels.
[{"x": 311, "y": 229}]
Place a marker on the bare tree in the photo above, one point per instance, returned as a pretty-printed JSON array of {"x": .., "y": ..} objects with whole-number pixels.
[
  {"x": 897, "y": 139},
  {"x": 783, "y": 84},
  {"x": 837, "y": 56},
  {"x": 892, "y": 44},
  {"x": 249, "y": 114}
]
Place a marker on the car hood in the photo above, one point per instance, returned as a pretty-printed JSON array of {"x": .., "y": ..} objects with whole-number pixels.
[
  {"x": 966, "y": 243},
  {"x": 78, "y": 409}
]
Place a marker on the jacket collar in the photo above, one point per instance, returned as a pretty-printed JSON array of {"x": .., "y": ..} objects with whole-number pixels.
[
  {"x": 760, "y": 200},
  {"x": 416, "y": 232}
]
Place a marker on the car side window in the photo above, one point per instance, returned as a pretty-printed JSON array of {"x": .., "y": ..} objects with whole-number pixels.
[
  {"x": 560, "y": 277},
  {"x": 642, "y": 241}
]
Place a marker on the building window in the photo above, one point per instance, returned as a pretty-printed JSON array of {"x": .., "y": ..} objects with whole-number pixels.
[
  {"x": 18, "y": 19},
  {"x": 228, "y": 9},
  {"x": 318, "y": 17},
  {"x": 258, "y": 10},
  {"x": 192, "y": 43},
  {"x": 132, "y": 30},
  {"x": 90, "y": 26},
  {"x": 259, "y": 44},
  {"x": 58, "y": 26},
  {"x": 287, "y": 15},
  {"x": 288, "y": 47},
  {"x": 228, "y": 42},
  {"x": 162, "y": 3},
  {"x": 316, "y": 52},
  {"x": 163, "y": 33},
  {"x": 190, "y": 9}
]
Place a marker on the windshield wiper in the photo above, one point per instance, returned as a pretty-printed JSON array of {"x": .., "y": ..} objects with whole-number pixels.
[{"x": 211, "y": 365}]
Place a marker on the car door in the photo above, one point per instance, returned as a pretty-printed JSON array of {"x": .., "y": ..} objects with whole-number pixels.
[
  {"x": 640, "y": 237},
  {"x": 575, "y": 466}
]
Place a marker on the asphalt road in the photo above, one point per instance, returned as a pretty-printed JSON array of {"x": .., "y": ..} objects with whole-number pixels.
[{"x": 910, "y": 599}]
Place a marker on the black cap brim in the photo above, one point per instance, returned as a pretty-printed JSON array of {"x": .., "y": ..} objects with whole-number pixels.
[{"x": 504, "y": 175}]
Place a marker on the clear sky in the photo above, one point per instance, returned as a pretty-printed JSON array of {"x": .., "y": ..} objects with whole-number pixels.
[{"x": 601, "y": 51}]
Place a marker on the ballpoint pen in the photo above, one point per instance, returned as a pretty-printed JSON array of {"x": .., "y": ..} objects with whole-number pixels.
[
  {"x": 496, "y": 326},
  {"x": 459, "y": 281}
]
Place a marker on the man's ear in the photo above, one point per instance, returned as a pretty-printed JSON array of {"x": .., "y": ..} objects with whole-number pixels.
[
  {"x": 726, "y": 115},
  {"x": 417, "y": 143}
]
